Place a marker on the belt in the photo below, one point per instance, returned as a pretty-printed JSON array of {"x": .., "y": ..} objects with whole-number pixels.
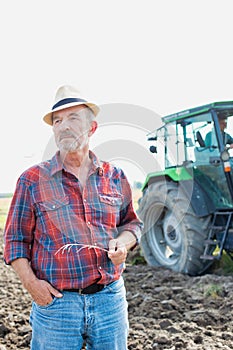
[{"x": 93, "y": 288}]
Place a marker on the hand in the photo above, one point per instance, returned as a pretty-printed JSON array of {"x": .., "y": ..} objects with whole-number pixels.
[
  {"x": 117, "y": 251},
  {"x": 42, "y": 292}
]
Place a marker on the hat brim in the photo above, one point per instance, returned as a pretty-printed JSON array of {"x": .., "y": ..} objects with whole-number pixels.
[{"x": 48, "y": 117}]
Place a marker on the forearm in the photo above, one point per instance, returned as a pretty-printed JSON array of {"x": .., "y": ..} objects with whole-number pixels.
[
  {"x": 24, "y": 271},
  {"x": 40, "y": 290},
  {"x": 127, "y": 239}
]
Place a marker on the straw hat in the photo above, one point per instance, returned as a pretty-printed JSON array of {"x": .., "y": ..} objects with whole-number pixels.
[{"x": 68, "y": 96}]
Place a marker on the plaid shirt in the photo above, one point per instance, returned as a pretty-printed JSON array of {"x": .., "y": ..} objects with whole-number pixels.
[{"x": 51, "y": 220}]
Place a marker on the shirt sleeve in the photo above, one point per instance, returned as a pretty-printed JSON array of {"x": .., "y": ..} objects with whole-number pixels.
[
  {"x": 229, "y": 139},
  {"x": 19, "y": 226}
]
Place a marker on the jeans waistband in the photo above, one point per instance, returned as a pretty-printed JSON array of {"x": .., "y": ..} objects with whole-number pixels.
[{"x": 93, "y": 288}]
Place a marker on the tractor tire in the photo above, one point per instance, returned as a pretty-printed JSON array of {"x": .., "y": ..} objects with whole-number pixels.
[{"x": 173, "y": 236}]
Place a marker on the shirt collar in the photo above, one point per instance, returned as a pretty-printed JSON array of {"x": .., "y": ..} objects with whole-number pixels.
[{"x": 56, "y": 164}]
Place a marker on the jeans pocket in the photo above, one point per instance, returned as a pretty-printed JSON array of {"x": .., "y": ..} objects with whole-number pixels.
[
  {"x": 47, "y": 305},
  {"x": 116, "y": 286}
]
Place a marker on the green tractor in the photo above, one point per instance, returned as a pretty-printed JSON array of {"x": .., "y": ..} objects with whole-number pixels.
[{"x": 187, "y": 205}]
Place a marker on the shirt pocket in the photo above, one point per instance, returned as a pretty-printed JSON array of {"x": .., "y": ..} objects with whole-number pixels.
[
  {"x": 114, "y": 201},
  {"x": 53, "y": 213},
  {"x": 110, "y": 206},
  {"x": 53, "y": 204}
]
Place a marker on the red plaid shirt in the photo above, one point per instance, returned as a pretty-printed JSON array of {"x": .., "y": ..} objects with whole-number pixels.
[{"x": 50, "y": 211}]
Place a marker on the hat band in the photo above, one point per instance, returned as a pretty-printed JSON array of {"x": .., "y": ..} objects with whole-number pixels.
[{"x": 66, "y": 101}]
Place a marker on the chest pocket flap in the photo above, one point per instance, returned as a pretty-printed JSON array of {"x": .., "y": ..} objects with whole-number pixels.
[
  {"x": 111, "y": 199},
  {"x": 53, "y": 203}
]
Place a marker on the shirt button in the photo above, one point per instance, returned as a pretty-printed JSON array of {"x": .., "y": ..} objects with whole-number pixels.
[
  {"x": 54, "y": 206},
  {"x": 84, "y": 200},
  {"x": 88, "y": 223},
  {"x": 100, "y": 267}
]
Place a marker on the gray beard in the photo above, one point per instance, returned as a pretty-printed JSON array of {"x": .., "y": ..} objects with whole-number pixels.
[
  {"x": 69, "y": 147},
  {"x": 72, "y": 146}
]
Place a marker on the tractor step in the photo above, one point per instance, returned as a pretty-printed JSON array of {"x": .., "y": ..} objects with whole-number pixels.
[
  {"x": 209, "y": 257},
  {"x": 222, "y": 234},
  {"x": 218, "y": 228},
  {"x": 211, "y": 242}
]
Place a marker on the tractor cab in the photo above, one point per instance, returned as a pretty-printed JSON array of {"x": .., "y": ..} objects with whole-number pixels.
[{"x": 200, "y": 140}]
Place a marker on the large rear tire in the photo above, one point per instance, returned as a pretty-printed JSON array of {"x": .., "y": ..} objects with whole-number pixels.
[{"x": 173, "y": 237}]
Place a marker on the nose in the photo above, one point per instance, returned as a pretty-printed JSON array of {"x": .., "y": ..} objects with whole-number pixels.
[{"x": 64, "y": 125}]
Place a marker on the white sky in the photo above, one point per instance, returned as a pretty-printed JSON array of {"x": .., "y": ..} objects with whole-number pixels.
[{"x": 162, "y": 55}]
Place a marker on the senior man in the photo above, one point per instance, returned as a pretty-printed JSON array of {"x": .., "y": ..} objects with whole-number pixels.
[{"x": 69, "y": 227}]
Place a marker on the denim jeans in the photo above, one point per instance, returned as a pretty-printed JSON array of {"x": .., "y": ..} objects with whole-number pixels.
[{"x": 101, "y": 319}]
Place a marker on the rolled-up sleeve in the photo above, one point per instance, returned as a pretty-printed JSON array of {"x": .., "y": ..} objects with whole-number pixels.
[
  {"x": 129, "y": 220},
  {"x": 20, "y": 223}
]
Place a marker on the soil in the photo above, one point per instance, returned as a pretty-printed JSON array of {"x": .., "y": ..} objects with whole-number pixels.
[{"x": 167, "y": 310}]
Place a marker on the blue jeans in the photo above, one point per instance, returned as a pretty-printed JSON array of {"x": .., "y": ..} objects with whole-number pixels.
[{"x": 101, "y": 319}]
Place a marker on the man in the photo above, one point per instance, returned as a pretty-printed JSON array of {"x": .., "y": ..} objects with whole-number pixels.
[
  {"x": 210, "y": 139},
  {"x": 69, "y": 227}
]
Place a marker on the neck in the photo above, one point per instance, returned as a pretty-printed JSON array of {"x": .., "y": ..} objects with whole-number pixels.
[
  {"x": 79, "y": 164},
  {"x": 76, "y": 159}
]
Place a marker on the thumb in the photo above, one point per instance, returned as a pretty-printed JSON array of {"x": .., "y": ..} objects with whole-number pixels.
[
  {"x": 55, "y": 292},
  {"x": 112, "y": 245}
]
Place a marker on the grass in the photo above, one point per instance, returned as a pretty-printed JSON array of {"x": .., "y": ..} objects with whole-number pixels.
[
  {"x": 4, "y": 206},
  {"x": 227, "y": 264},
  {"x": 213, "y": 291},
  {"x": 224, "y": 265}
]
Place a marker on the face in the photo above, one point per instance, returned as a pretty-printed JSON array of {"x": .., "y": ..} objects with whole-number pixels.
[
  {"x": 72, "y": 128},
  {"x": 223, "y": 124}
]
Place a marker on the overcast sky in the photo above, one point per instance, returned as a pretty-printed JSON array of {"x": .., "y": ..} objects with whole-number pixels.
[{"x": 164, "y": 56}]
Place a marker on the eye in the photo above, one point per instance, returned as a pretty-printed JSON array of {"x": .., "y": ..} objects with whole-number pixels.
[
  {"x": 56, "y": 121},
  {"x": 75, "y": 117}
]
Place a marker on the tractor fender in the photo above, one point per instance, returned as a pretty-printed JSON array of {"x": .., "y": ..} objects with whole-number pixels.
[{"x": 200, "y": 201}]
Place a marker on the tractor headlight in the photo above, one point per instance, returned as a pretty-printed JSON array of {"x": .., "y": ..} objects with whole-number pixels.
[{"x": 225, "y": 156}]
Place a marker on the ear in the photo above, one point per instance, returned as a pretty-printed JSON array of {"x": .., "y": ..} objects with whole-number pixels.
[{"x": 93, "y": 128}]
